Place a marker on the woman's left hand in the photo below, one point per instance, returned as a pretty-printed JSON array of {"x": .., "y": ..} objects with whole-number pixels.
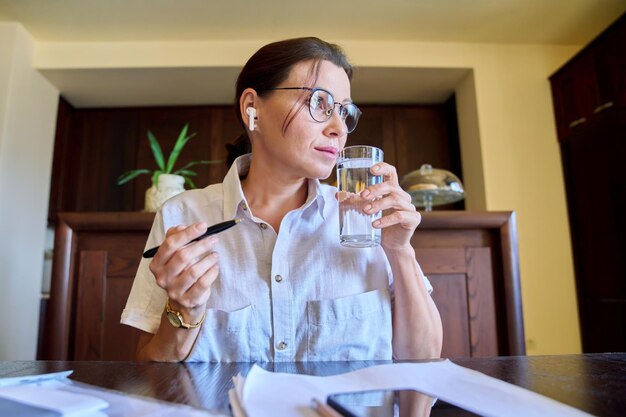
[{"x": 400, "y": 218}]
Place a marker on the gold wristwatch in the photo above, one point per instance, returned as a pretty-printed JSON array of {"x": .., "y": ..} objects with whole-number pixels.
[{"x": 176, "y": 319}]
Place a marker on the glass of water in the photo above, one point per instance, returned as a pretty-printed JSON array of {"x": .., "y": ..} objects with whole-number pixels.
[{"x": 353, "y": 176}]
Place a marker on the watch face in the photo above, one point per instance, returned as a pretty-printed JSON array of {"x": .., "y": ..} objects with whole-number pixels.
[{"x": 174, "y": 319}]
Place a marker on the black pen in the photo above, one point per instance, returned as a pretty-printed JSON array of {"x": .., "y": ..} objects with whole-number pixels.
[{"x": 216, "y": 228}]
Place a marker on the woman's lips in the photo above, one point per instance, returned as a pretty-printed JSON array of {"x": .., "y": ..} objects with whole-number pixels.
[{"x": 330, "y": 151}]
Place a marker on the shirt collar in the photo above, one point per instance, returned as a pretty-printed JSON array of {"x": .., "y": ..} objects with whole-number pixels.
[
  {"x": 316, "y": 196},
  {"x": 233, "y": 193}
]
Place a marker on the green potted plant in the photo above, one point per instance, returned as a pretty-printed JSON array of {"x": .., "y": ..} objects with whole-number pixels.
[{"x": 166, "y": 181}]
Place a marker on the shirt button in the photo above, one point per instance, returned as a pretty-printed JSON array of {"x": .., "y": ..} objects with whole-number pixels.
[
  {"x": 263, "y": 226},
  {"x": 282, "y": 346},
  {"x": 278, "y": 278},
  {"x": 243, "y": 206}
]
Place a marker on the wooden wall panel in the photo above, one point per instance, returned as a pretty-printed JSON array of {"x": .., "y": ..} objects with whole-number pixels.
[
  {"x": 454, "y": 314},
  {"x": 442, "y": 260},
  {"x": 106, "y": 145},
  {"x": 62, "y": 165},
  {"x": 418, "y": 129},
  {"x": 94, "y": 146},
  {"x": 118, "y": 341},
  {"x": 481, "y": 296},
  {"x": 90, "y": 305}
]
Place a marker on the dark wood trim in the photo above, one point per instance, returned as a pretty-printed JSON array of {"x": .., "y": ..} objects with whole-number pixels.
[
  {"x": 56, "y": 333},
  {"x": 114, "y": 221},
  {"x": 454, "y": 219},
  {"x": 512, "y": 286}
]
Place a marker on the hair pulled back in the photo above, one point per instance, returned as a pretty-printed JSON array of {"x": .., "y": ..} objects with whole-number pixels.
[{"x": 270, "y": 66}]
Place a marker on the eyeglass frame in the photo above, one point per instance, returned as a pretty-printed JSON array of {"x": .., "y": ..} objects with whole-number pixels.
[{"x": 313, "y": 90}]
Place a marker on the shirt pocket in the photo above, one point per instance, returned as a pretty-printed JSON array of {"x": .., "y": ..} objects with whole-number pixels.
[
  {"x": 226, "y": 336},
  {"x": 356, "y": 327}
]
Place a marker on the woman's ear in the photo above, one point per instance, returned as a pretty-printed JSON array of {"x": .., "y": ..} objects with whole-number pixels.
[{"x": 247, "y": 106}]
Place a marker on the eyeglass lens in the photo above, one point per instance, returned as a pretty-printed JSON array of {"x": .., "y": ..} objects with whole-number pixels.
[{"x": 322, "y": 105}]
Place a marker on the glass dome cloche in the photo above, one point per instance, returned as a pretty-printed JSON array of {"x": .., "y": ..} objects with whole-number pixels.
[{"x": 430, "y": 187}]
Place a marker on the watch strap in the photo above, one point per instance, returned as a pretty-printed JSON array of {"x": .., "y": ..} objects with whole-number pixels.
[{"x": 183, "y": 324}]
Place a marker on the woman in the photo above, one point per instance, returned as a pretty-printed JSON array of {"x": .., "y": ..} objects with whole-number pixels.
[{"x": 279, "y": 286}]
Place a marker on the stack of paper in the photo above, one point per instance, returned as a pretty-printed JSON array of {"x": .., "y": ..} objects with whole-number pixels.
[
  {"x": 38, "y": 396},
  {"x": 56, "y": 395},
  {"x": 264, "y": 393}
]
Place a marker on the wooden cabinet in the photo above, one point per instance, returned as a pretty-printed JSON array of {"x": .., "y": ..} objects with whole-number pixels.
[
  {"x": 593, "y": 167},
  {"x": 94, "y": 146},
  {"x": 592, "y": 82},
  {"x": 470, "y": 258},
  {"x": 96, "y": 256},
  {"x": 590, "y": 109},
  {"x": 575, "y": 95}
]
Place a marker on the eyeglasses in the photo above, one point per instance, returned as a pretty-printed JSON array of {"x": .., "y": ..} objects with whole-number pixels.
[{"x": 322, "y": 105}]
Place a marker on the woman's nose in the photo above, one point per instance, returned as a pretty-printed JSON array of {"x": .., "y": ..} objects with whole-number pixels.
[{"x": 336, "y": 126}]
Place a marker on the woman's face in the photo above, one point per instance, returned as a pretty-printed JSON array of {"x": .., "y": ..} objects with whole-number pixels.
[{"x": 307, "y": 148}]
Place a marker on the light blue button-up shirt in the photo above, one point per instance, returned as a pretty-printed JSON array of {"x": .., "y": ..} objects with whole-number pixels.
[{"x": 293, "y": 296}]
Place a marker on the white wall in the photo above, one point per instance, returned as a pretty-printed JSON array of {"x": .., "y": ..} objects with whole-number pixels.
[{"x": 28, "y": 105}]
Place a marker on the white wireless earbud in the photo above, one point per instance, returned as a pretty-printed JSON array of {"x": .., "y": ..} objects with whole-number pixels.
[{"x": 251, "y": 112}]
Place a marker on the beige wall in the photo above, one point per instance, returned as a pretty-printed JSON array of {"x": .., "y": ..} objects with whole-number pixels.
[
  {"x": 28, "y": 105},
  {"x": 523, "y": 172},
  {"x": 508, "y": 142},
  {"x": 511, "y": 161}
]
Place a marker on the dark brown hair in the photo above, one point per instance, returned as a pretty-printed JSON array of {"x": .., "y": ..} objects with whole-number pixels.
[{"x": 270, "y": 66}]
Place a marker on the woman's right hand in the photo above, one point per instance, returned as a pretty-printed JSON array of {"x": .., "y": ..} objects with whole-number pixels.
[{"x": 186, "y": 272}]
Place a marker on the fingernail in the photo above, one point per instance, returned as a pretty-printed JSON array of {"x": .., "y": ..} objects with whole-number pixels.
[
  {"x": 376, "y": 222},
  {"x": 200, "y": 226},
  {"x": 367, "y": 207},
  {"x": 376, "y": 167},
  {"x": 365, "y": 193}
]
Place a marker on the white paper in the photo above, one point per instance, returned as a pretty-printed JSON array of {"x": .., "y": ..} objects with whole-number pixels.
[
  {"x": 29, "y": 379},
  {"x": 44, "y": 395},
  {"x": 71, "y": 398},
  {"x": 280, "y": 394}
]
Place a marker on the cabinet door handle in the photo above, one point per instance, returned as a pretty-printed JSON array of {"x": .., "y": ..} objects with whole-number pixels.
[
  {"x": 578, "y": 122},
  {"x": 603, "y": 106}
]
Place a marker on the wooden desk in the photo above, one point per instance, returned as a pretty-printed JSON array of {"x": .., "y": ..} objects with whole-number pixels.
[{"x": 595, "y": 383}]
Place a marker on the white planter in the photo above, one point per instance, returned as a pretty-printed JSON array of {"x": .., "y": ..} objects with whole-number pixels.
[{"x": 169, "y": 185}]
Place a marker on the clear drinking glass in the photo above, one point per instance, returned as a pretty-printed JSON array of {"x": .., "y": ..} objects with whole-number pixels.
[{"x": 353, "y": 176}]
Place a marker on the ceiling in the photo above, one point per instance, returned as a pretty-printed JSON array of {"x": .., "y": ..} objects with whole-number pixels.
[
  {"x": 565, "y": 22},
  {"x": 554, "y": 22},
  {"x": 196, "y": 86}
]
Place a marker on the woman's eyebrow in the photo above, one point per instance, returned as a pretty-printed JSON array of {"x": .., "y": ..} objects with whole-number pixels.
[{"x": 345, "y": 100}]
